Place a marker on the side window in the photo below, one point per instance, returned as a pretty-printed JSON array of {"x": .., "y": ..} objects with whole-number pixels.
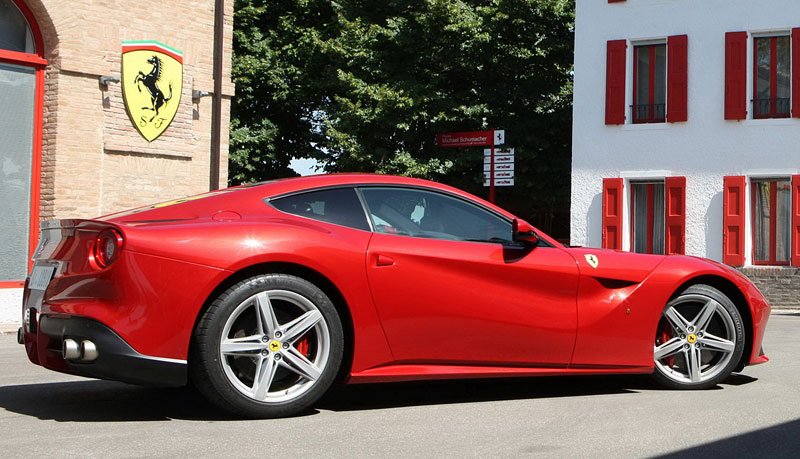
[
  {"x": 340, "y": 206},
  {"x": 432, "y": 215}
]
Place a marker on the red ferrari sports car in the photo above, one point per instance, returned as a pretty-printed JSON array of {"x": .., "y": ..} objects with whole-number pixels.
[{"x": 262, "y": 296}]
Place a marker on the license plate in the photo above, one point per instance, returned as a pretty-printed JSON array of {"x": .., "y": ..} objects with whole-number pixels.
[{"x": 40, "y": 277}]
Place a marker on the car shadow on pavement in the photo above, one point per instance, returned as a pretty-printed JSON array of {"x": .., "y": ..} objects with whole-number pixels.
[
  {"x": 395, "y": 395},
  {"x": 108, "y": 401}
]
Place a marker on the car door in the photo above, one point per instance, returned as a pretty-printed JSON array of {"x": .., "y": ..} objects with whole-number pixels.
[{"x": 451, "y": 287}]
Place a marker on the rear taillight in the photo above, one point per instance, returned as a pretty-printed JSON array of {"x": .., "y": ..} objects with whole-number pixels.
[{"x": 107, "y": 247}]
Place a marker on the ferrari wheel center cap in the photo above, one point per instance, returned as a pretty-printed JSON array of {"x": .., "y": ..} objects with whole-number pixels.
[
  {"x": 692, "y": 338},
  {"x": 274, "y": 345}
]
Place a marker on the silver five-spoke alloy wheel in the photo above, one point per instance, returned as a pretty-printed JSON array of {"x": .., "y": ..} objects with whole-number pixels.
[
  {"x": 274, "y": 346},
  {"x": 698, "y": 341},
  {"x": 268, "y": 346}
]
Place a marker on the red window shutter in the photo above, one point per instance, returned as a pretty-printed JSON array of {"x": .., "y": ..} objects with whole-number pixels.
[
  {"x": 677, "y": 78},
  {"x": 733, "y": 198},
  {"x": 796, "y": 73},
  {"x": 615, "y": 81},
  {"x": 612, "y": 213},
  {"x": 675, "y": 231},
  {"x": 795, "y": 233},
  {"x": 735, "y": 75}
]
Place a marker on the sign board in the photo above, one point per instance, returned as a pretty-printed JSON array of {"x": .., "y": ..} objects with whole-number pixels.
[
  {"x": 500, "y": 182},
  {"x": 500, "y": 159},
  {"x": 499, "y": 174},
  {"x": 152, "y": 83},
  {"x": 499, "y": 137},
  {"x": 498, "y": 151},
  {"x": 498, "y": 167},
  {"x": 465, "y": 139}
]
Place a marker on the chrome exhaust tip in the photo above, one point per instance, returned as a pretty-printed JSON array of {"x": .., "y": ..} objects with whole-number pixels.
[
  {"x": 20, "y": 336},
  {"x": 88, "y": 351},
  {"x": 70, "y": 350}
]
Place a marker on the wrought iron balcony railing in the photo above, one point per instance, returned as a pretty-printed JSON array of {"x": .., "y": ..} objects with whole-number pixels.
[
  {"x": 771, "y": 108},
  {"x": 649, "y": 113}
]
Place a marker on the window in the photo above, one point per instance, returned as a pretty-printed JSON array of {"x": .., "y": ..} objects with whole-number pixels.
[
  {"x": 771, "y": 77},
  {"x": 21, "y": 87},
  {"x": 427, "y": 214},
  {"x": 771, "y": 209},
  {"x": 15, "y": 35},
  {"x": 649, "y": 83},
  {"x": 657, "y": 216},
  {"x": 340, "y": 206},
  {"x": 647, "y": 217}
]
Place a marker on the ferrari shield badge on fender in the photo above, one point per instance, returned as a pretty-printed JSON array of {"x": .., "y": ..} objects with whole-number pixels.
[
  {"x": 152, "y": 81},
  {"x": 591, "y": 259}
]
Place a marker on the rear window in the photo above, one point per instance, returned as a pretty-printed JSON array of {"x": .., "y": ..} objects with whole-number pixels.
[{"x": 340, "y": 206}]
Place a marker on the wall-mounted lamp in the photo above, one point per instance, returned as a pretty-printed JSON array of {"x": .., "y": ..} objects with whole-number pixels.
[
  {"x": 198, "y": 94},
  {"x": 106, "y": 79}
]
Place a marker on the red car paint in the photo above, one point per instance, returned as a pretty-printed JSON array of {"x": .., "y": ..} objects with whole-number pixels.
[{"x": 419, "y": 308}]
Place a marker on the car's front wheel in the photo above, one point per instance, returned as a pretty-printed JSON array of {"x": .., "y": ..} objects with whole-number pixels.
[
  {"x": 269, "y": 346},
  {"x": 699, "y": 341}
]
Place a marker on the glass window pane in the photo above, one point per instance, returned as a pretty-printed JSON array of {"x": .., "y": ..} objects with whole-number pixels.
[
  {"x": 783, "y": 74},
  {"x": 782, "y": 218},
  {"x": 659, "y": 214},
  {"x": 14, "y": 32},
  {"x": 432, "y": 215},
  {"x": 642, "y": 77},
  {"x": 16, "y": 151},
  {"x": 763, "y": 93},
  {"x": 761, "y": 220},
  {"x": 660, "y": 81},
  {"x": 340, "y": 206},
  {"x": 639, "y": 217}
]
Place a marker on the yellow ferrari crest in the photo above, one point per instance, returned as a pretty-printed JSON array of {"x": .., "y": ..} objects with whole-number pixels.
[
  {"x": 152, "y": 81},
  {"x": 592, "y": 260}
]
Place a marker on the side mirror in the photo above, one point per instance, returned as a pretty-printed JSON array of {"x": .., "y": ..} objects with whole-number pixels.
[{"x": 522, "y": 231}]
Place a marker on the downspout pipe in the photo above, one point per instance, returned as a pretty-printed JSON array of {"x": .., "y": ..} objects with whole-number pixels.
[{"x": 216, "y": 100}]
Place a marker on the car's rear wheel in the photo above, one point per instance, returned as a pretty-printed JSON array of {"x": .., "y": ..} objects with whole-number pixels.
[
  {"x": 269, "y": 346},
  {"x": 699, "y": 340}
]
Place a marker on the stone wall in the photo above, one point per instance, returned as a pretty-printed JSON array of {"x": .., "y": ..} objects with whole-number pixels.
[{"x": 781, "y": 286}]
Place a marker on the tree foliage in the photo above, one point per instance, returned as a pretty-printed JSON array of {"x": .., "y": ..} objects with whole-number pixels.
[{"x": 362, "y": 85}]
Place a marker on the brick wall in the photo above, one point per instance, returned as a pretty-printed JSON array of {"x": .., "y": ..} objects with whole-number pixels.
[
  {"x": 93, "y": 160},
  {"x": 781, "y": 286}
]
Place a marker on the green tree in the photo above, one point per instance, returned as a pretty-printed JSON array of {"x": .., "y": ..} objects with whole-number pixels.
[
  {"x": 365, "y": 86},
  {"x": 279, "y": 66}
]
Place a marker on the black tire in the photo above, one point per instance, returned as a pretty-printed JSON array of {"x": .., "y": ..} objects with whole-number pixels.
[
  {"x": 208, "y": 371},
  {"x": 691, "y": 302}
]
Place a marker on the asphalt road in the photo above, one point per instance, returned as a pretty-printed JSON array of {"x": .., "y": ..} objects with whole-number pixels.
[{"x": 756, "y": 413}]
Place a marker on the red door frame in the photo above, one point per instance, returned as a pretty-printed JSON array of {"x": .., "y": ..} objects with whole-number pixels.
[
  {"x": 773, "y": 78},
  {"x": 651, "y": 95},
  {"x": 39, "y": 63},
  {"x": 650, "y": 216},
  {"x": 773, "y": 223}
]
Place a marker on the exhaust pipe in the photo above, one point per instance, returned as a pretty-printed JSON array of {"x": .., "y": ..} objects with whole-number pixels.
[
  {"x": 70, "y": 350},
  {"x": 88, "y": 351}
]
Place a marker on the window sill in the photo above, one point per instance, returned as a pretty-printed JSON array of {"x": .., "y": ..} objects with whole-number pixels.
[
  {"x": 644, "y": 126},
  {"x": 771, "y": 122}
]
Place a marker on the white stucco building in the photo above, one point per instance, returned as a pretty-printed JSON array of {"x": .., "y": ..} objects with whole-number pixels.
[{"x": 686, "y": 133}]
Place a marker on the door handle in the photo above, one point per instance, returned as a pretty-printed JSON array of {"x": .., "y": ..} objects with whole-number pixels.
[{"x": 383, "y": 260}]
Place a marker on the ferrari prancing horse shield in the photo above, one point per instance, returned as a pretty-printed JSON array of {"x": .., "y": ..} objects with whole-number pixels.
[{"x": 152, "y": 81}]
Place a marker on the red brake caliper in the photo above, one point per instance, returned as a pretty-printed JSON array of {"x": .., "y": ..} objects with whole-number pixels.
[{"x": 302, "y": 346}]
